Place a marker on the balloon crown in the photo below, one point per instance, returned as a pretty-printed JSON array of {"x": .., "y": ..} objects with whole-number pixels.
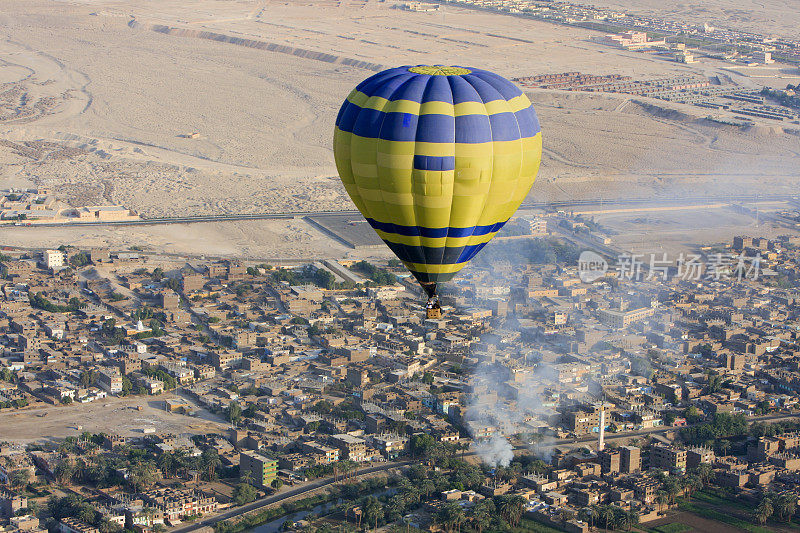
[{"x": 439, "y": 70}]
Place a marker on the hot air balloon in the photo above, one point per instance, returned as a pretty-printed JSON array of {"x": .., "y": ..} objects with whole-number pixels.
[{"x": 437, "y": 159}]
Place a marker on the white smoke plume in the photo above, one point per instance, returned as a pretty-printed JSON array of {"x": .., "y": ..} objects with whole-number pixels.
[
  {"x": 495, "y": 451},
  {"x": 492, "y": 408}
]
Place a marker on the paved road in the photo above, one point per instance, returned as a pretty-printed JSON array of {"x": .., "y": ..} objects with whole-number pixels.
[
  {"x": 560, "y": 204},
  {"x": 280, "y": 497},
  {"x": 324, "y": 482},
  {"x": 658, "y": 431}
]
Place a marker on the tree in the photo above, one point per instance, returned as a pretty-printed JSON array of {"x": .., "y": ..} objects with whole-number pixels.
[
  {"x": 763, "y": 511},
  {"x": 482, "y": 513},
  {"x": 211, "y": 462},
  {"x": 690, "y": 484},
  {"x": 244, "y": 493},
  {"x": 671, "y": 487},
  {"x": 661, "y": 499},
  {"x": 588, "y": 514},
  {"x": 785, "y": 505},
  {"x": 692, "y": 414},
  {"x": 372, "y": 511},
  {"x": 127, "y": 386},
  {"x": 234, "y": 413},
  {"x": 276, "y": 484},
  {"x": 142, "y": 475},
  {"x": 422, "y": 444},
  {"x": 704, "y": 472},
  {"x": 511, "y": 508},
  {"x": 19, "y": 478},
  {"x": 724, "y": 446},
  {"x": 79, "y": 260}
]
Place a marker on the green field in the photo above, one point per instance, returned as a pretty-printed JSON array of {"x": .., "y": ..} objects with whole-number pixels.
[{"x": 675, "y": 527}]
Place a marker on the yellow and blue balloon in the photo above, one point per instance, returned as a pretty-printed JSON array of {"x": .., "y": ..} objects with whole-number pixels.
[{"x": 437, "y": 159}]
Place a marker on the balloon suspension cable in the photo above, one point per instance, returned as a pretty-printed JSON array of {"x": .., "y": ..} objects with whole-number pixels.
[{"x": 430, "y": 289}]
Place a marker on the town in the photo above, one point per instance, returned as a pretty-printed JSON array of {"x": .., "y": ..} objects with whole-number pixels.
[
  {"x": 544, "y": 392},
  {"x": 722, "y": 42}
]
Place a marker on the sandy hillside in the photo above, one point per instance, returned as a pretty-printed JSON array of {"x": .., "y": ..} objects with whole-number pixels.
[{"x": 173, "y": 107}]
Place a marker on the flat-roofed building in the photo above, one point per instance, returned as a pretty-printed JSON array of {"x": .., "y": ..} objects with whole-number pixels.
[
  {"x": 610, "y": 460},
  {"x": 73, "y": 525},
  {"x": 667, "y": 457},
  {"x": 262, "y": 470},
  {"x": 630, "y": 459},
  {"x": 53, "y": 258},
  {"x": 352, "y": 448},
  {"x": 110, "y": 380}
]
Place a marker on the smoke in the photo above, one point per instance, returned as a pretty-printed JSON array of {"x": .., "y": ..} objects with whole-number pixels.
[
  {"x": 507, "y": 400},
  {"x": 495, "y": 451}
]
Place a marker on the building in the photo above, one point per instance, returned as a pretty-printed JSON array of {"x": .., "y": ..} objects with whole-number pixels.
[
  {"x": 110, "y": 380},
  {"x": 326, "y": 454},
  {"x": 10, "y": 503},
  {"x": 610, "y": 461},
  {"x": 581, "y": 422},
  {"x": 261, "y": 470},
  {"x": 73, "y": 525},
  {"x": 533, "y": 225},
  {"x": 53, "y": 258},
  {"x": 169, "y": 299},
  {"x": 761, "y": 56},
  {"x": 669, "y": 458},
  {"x": 622, "y": 319},
  {"x": 630, "y": 459},
  {"x": 224, "y": 360},
  {"x": 352, "y": 448},
  {"x": 697, "y": 456},
  {"x": 644, "y": 489},
  {"x": 179, "y": 503}
]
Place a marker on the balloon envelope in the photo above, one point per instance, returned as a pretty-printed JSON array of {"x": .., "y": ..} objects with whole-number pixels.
[{"x": 437, "y": 159}]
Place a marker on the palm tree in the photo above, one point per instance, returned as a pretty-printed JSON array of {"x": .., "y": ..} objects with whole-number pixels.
[
  {"x": 511, "y": 508},
  {"x": 632, "y": 518},
  {"x": 587, "y": 515},
  {"x": 427, "y": 487},
  {"x": 670, "y": 486},
  {"x": 784, "y": 505},
  {"x": 482, "y": 514},
  {"x": 373, "y": 510},
  {"x": 593, "y": 513},
  {"x": 724, "y": 446},
  {"x": 763, "y": 511},
  {"x": 661, "y": 499},
  {"x": 167, "y": 463},
  {"x": 690, "y": 484},
  {"x": 346, "y": 508},
  {"x": 704, "y": 472}
]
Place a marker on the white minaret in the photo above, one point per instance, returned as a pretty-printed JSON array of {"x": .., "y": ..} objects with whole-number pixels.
[{"x": 600, "y": 440}]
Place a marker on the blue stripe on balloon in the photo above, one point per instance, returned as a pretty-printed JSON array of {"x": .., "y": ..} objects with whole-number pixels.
[
  {"x": 368, "y": 122},
  {"x": 438, "y": 90},
  {"x": 429, "y": 162},
  {"x": 395, "y": 127},
  {"x": 399, "y": 84},
  {"x": 504, "y": 127},
  {"x": 507, "y": 89},
  {"x": 435, "y": 233},
  {"x": 463, "y": 91},
  {"x": 435, "y": 255},
  {"x": 436, "y": 129},
  {"x": 528, "y": 122},
  {"x": 472, "y": 129},
  {"x": 470, "y": 252}
]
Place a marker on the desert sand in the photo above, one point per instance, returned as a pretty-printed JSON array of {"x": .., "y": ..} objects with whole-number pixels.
[{"x": 131, "y": 102}]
